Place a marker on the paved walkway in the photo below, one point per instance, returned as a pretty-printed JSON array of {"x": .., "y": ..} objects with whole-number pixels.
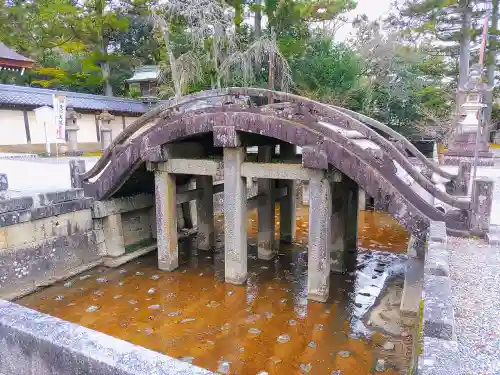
[{"x": 475, "y": 273}]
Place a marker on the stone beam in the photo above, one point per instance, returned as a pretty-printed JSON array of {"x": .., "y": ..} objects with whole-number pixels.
[
  {"x": 278, "y": 171},
  {"x": 201, "y": 167}
]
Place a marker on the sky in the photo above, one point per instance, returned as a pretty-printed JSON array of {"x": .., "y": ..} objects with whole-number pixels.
[{"x": 372, "y": 8}]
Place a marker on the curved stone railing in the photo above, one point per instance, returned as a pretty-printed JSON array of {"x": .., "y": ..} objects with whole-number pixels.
[
  {"x": 404, "y": 142},
  {"x": 316, "y": 113}
]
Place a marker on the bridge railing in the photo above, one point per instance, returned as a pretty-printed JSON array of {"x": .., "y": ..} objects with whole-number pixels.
[{"x": 319, "y": 112}]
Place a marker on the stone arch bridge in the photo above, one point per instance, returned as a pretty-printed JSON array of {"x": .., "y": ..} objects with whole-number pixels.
[{"x": 204, "y": 136}]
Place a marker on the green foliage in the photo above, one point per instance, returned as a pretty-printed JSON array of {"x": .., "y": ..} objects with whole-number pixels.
[
  {"x": 326, "y": 71},
  {"x": 93, "y": 46}
]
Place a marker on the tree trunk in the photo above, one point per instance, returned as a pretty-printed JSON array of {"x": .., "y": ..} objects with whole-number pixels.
[
  {"x": 270, "y": 81},
  {"x": 465, "y": 44},
  {"x": 257, "y": 20},
  {"x": 165, "y": 28},
  {"x": 491, "y": 61},
  {"x": 463, "y": 68},
  {"x": 108, "y": 89}
]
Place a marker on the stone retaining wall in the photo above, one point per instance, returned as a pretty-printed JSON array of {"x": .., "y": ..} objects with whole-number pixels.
[
  {"x": 44, "y": 238},
  {"x": 438, "y": 346},
  {"x": 34, "y": 343}
]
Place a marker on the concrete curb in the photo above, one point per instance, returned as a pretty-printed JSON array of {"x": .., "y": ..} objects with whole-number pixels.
[{"x": 439, "y": 348}]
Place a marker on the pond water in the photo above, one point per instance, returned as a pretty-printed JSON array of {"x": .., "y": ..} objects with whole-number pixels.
[{"x": 265, "y": 326}]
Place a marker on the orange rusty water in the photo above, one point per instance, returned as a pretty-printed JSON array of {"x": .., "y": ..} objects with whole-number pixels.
[{"x": 265, "y": 325}]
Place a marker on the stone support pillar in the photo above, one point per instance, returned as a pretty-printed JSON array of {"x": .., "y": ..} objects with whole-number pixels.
[
  {"x": 288, "y": 203},
  {"x": 482, "y": 199},
  {"x": 205, "y": 207},
  {"x": 320, "y": 212},
  {"x": 351, "y": 215},
  {"x": 113, "y": 235},
  {"x": 265, "y": 210},
  {"x": 76, "y": 168},
  {"x": 338, "y": 227},
  {"x": 361, "y": 200},
  {"x": 166, "y": 223},
  {"x": 235, "y": 216},
  {"x": 189, "y": 210},
  {"x": 305, "y": 193}
]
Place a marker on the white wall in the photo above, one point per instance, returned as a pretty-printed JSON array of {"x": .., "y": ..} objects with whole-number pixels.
[
  {"x": 87, "y": 132},
  {"x": 116, "y": 126},
  {"x": 12, "y": 130}
]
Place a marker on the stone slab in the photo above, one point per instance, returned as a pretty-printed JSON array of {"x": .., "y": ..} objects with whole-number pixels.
[
  {"x": 24, "y": 233},
  {"x": 439, "y": 317},
  {"x": 35, "y": 343},
  {"x": 45, "y": 199},
  {"x": 437, "y": 231},
  {"x": 11, "y": 218},
  {"x": 16, "y": 204},
  {"x": 436, "y": 260},
  {"x": 118, "y": 261},
  {"x": 439, "y": 357},
  {"x": 412, "y": 290},
  {"x": 120, "y": 205},
  {"x": 54, "y": 258}
]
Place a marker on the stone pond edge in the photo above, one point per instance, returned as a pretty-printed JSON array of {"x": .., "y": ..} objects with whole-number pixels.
[
  {"x": 438, "y": 350},
  {"x": 32, "y": 342}
]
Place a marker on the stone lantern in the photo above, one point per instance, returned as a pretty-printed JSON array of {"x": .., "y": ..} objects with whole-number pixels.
[
  {"x": 463, "y": 142},
  {"x": 72, "y": 128},
  {"x": 105, "y": 119}
]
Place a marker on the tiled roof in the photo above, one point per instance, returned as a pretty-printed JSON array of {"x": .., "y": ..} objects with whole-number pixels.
[
  {"x": 145, "y": 73},
  {"x": 7, "y": 53},
  {"x": 35, "y": 97}
]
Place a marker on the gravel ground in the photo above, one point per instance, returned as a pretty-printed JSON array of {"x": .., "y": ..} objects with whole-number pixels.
[{"x": 475, "y": 273}]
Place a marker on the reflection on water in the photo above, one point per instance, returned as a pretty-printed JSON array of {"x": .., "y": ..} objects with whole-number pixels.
[{"x": 265, "y": 325}]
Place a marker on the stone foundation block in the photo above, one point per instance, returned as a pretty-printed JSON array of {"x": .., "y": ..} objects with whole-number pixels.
[
  {"x": 436, "y": 260},
  {"x": 437, "y": 231},
  {"x": 439, "y": 319}
]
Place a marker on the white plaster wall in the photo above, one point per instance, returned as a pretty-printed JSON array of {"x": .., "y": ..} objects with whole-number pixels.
[
  {"x": 37, "y": 131},
  {"x": 12, "y": 131},
  {"x": 87, "y": 132}
]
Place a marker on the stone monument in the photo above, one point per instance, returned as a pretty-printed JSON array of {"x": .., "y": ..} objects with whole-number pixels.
[
  {"x": 72, "y": 128},
  {"x": 463, "y": 143}
]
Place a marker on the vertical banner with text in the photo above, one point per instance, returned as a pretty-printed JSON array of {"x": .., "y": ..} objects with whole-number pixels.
[{"x": 59, "y": 102}]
